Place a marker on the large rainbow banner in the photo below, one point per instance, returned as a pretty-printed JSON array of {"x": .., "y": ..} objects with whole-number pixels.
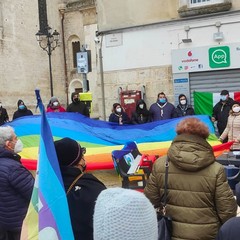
[{"x": 99, "y": 137}]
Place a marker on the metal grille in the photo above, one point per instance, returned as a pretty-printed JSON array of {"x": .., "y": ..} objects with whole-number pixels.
[{"x": 214, "y": 81}]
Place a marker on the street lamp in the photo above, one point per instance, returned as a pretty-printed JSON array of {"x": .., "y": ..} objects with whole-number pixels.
[{"x": 48, "y": 41}]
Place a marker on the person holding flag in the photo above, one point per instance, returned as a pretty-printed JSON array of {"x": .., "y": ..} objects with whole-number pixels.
[{"x": 82, "y": 188}]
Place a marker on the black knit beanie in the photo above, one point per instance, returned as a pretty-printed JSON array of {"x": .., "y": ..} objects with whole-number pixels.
[{"x": 68, "y": 151}]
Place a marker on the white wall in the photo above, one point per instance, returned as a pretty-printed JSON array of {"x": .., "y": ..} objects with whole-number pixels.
[{"x": 151, "y": 46}]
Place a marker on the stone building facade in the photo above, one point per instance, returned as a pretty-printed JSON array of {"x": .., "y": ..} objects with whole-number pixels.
[
  {"x": 133, "y": 49},
  {"x": 24, "y": 65},
  {"x": 147, "y": 33}
]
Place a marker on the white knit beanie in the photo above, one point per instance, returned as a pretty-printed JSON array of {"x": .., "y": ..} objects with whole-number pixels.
[{"x": 124, "y": 214}]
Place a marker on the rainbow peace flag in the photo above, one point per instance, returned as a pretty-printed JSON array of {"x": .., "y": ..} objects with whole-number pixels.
[
  {"x": 99, "y": 137},
  {"x": 48, "y": 215}
]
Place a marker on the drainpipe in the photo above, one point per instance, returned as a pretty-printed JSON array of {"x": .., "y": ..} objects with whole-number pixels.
[
  {"x": 62, "y": 8},
  {"x": 99, "y": 40}
]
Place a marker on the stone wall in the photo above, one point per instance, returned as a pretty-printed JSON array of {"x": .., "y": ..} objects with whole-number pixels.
[
  {"x": 24, "y": 65},
  {"x": 155, "y": 80}
]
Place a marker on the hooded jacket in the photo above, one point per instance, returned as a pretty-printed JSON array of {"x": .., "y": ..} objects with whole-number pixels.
[
  {"x": 141, "y": 115},
  {"x": 21, "y": 112},
  {"x": 199, "y": 199},
  {"x": 120, "y": 118},
  {"x": 183, "y": 110},
  {"x": 52, "y": 108},
  {"x": 16, "y": 185},
  {"x": 3, "y": 116},
  {"x": 78, "y": 107}
]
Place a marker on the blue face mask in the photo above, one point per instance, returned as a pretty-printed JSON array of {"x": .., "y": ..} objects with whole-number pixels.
[
  {"x": 21, "y": 107},
  {"x": 162, "y": 100},
  {"x": 223, "y": 97}
]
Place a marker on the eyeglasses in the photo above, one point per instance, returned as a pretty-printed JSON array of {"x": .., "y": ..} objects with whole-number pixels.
[{"x": 83, "y": 150}]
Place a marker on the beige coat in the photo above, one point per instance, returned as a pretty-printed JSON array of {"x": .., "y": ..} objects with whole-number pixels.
[
  {"x": 199, "y": 198},
  {"x": 232, "y": 130}
]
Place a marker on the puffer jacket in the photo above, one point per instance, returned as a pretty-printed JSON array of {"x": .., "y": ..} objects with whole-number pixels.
[
  {"x": 199, "y": 198},
  {"x": 232, "y": 130},
  {"x": 16, "y": 185}
]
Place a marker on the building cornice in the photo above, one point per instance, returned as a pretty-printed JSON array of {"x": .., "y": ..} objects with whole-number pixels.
[{"x": 80, "y": 5}]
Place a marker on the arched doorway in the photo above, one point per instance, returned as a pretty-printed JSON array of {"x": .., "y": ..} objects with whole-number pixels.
[{"x": 74, "y": 86}]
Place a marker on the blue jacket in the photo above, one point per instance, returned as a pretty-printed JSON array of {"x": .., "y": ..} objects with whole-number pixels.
[
  {"x": 16, "y": 185},
  {"x": 158, "y": 112}
]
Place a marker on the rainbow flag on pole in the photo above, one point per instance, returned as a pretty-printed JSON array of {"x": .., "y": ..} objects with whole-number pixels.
[
  {"x": 205, "y": 101},
  {"x": 48, "y": 215}
]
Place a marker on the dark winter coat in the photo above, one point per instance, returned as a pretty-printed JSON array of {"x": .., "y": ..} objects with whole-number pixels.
[
  {"x": 21, "y": 112},
  {"x": 183, "y": 110},
  {"x": 3, "y": 116},
  {"x": 199, "y": 198},
  {"x": 230, "y": 230},
  {"x": 81, "y": 201},
  {"x": 16, "y": 185},
  {"x": 114, "y": 117},
  {"x": 141, "y": 115},
  {"x": 221, "y": 113},
  {"x": 161, "y": 112},
  {"x": 78, "y": 107}
]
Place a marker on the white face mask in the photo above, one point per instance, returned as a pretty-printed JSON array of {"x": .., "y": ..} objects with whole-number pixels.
[
  {"x": 236, "y": 109},
  {"x": 183, "y": 102},
  {"x": 118, "y": 110},
  {"x": 18, "y": 146},
  {"x": 141, "y": 106},
  {"x": 55, "y": 104},
  {"x": 0, "y": 105}
]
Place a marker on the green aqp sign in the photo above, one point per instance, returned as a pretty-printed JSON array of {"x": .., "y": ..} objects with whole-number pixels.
[{"x": 219, "y": 57}]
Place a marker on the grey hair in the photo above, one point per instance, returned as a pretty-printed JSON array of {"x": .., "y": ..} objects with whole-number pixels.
[{"x": 6, "y": 133}]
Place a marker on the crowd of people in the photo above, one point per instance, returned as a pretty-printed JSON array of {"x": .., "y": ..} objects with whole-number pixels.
[
  {"x": 54, "y": 105},
  {"x": 199, "y": 198},
  {"x": 226, "y": 113},
  {"x": 160, "y": 110}
]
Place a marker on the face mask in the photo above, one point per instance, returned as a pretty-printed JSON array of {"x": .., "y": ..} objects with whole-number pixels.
[
  {"x": 18, "y": 146},
  {"x": 141, "y": 106},
  {"x": 118, "y": 110},
  {"x": 76, "y": 100},
  {"x": 183, "y": 102},
  {"x": 55, "y": 104},
  {"x": 236, "y": 109},
  {"x": 223, "y": 97},
  {"x": 21, "y": 107},
  {"x": 162, "y": 100},
  {"x": 0, "y": 105}
]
